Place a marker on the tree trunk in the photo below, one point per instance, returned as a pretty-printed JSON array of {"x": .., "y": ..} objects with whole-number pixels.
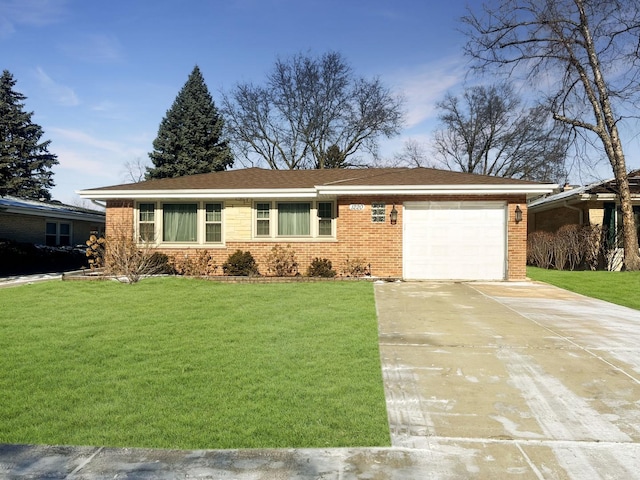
[{"x": 630, "y": 236}]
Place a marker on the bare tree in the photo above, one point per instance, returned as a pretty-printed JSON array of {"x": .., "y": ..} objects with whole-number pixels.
[
  {"x": 587, "y": 53},
  {"x": 413, "y": 154},
  {"x": 134, "y": 170},
  {"x": 312, "y": 112},
  {"x": 488, "y": 131}
]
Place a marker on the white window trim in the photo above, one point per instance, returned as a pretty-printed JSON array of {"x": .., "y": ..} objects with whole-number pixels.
[
  {"x": 201, "y": 216},
  {"x": 254, "y": 220},
  {"x": 314, "y": 232}
]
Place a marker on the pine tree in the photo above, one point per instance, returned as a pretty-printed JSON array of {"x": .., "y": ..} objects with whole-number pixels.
[
  {"x": 25, "y": 163},
  {"x": 190, "y": 139}
]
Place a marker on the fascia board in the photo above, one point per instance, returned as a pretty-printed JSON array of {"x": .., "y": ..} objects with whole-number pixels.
[
  {"x": 436, "y": 189},
  {"x": 198, "y": 194},
  {"x": 53, "y": 214},
  {"x": 572, "y": 200}
]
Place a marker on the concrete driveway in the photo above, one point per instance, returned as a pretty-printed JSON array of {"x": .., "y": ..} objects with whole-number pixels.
[
  {"x": 491, "y": 380},
  {"x": 483, "y": 380}
]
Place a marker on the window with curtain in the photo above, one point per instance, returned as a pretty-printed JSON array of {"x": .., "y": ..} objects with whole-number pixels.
[
  {"x": 146, "y": 222},
  {"x": 294, "y": 219},
  {"x": 213, "y": 222},
  {"x": 179, "y": 222}
]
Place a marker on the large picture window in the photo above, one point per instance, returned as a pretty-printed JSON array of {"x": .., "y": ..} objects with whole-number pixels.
[
  {"x": 179, "y": 222},
  {"x": 294, "y": 219}
]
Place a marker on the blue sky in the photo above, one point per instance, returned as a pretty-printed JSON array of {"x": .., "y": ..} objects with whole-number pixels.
[{"x": 100, "y": 76}]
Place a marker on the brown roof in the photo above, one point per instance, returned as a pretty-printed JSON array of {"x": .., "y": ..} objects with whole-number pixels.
[{"x": 258, "y": 178}]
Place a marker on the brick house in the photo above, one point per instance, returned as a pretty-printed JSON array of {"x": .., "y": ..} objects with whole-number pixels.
[
  {"x": 594, "y": 204},
  {"x": 47, "y": 223},
  {"x": 407, "y": 223}
]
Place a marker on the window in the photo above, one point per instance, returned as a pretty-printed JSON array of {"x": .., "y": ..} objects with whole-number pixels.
[
  {"x": 325, "y": 215},
  {"x": 262, "y": 219},
  {"x": 378, "y": 212},
  {"x": 179, "y": 222},
  {"x": 146, "y": 222},
  {"x": 64, "y": 237},
  {"x": 612, "y": 223},
  {"x": 294, "y": 219},
  {"x": 57, "y": 234},
  {"x": 213, "y": 222}
]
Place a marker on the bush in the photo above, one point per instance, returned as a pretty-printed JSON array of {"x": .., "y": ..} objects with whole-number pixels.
[
  {"x": 540, "y": 249},
  {"x": 572, "y": 247},
  {"x": 125, "y": 260},
  {"x": 202, "y": 265},
  {"x": 356, "y": 267},
  {"x": 321, "y": 267},
  {"x": 241, "y": 264},
  {"x": 18, "y": 258},
  {"x": 281, "y": 262},
  {"x": 162, "y": 263}
]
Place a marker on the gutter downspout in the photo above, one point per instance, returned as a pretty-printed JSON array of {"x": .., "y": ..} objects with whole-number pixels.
[{"x": 579, "y": 210}]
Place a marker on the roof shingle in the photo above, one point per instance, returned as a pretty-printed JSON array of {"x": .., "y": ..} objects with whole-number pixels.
[{"x": 258, "y": 178}]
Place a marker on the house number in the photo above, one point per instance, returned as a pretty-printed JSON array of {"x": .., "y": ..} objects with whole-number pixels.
[{"x": 356, "y": 206}]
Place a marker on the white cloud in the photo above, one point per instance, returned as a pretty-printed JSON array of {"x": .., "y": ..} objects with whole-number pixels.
[
  {"x": 86, "y": 161},
  {"x": 14, "y": 13},
  {"x": 61, "y": 94},
  {"x": 425, "y": 85},
  {"x": 84, "y": 139}
]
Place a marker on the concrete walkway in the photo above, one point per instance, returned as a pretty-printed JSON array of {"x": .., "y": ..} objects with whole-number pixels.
[
  {"x": 494, "y": 380},
  {"x": 488, "y": 380}
]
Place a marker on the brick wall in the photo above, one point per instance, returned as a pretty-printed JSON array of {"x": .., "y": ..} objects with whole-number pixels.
[
  {"x": 378, "y": 245},
  {"x": 119, "y": 218},
  {"x": 22, "y": 228},
  {"x": 552, "y": 220},
  {"x": 32, "y": 228},
  {"x": 517, "y": 241}
]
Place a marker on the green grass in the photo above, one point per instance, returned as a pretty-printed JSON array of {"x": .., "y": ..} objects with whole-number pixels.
[
  {"x": 616, "y": 287},
  {"x": 186, "y": 363}
]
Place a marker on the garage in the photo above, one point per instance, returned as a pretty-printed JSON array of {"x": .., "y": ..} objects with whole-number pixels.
[{"x": 454, "y": 241}]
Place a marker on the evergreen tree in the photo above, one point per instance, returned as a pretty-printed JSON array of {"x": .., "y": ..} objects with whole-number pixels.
[
  {"x": 190, "y": 139},
  {"x": 25, "y": 162}
]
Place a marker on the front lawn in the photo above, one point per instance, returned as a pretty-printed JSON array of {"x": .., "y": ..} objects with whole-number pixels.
[
  {"x": 615, "y": 287},
  {"x": 192, "y": 364}
]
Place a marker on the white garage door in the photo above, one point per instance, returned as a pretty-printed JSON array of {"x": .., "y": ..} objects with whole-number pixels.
[{"x": 454, "y": 240}]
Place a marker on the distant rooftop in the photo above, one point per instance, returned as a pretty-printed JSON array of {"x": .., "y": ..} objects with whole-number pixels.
[{"x": 13, "y": 204}]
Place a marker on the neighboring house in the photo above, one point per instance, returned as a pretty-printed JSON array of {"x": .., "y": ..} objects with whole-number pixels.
[
  {"x": 47, "y": 223},
  {"x": 594, "y": 204},
  {"x": 405, "y": 223}
]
